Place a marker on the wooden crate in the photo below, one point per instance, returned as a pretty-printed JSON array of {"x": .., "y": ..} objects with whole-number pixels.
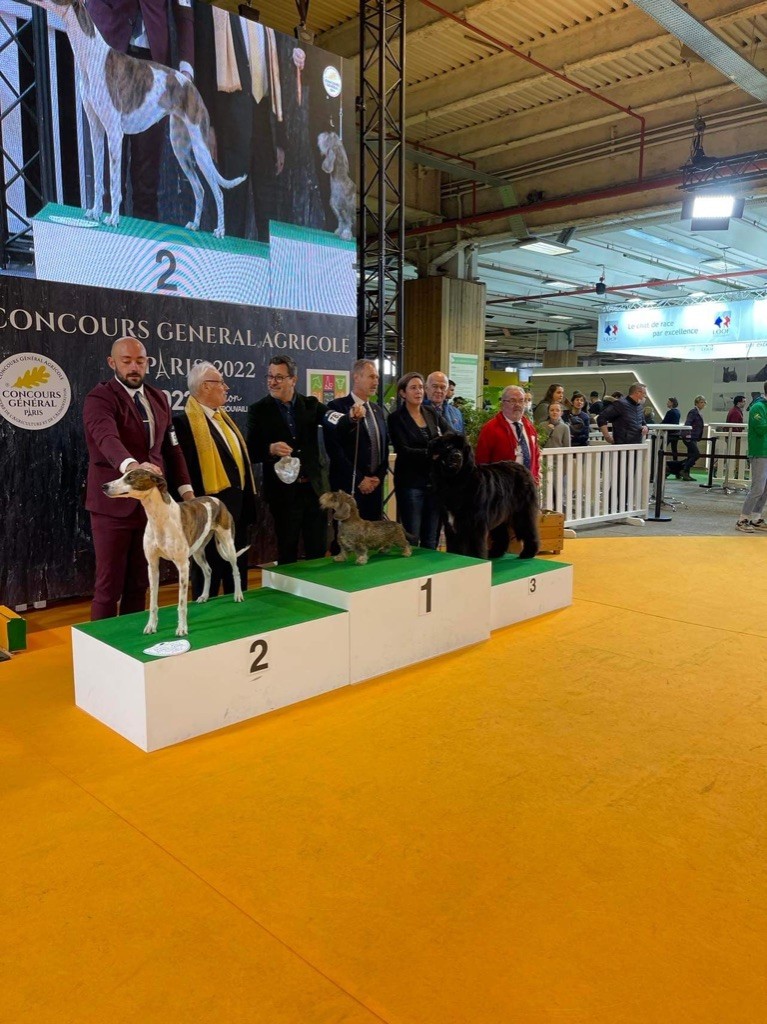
[{"x": 552, "y": 530}]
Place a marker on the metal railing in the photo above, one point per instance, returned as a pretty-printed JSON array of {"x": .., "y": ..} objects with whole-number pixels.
[{"x": 601, "y": 483}]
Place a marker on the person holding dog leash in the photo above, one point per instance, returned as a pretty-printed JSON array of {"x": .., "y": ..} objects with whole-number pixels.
[{"x": 127, "y": 425}]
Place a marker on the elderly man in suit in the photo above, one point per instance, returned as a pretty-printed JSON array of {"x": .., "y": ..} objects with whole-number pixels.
[
  {"x": 217, "y": 457},
  {"x": 358, "y": 449},
  {"x": 142, "y": 28},
  {"x": 127, "y": 424},
  {"x": 510, "y": 436},
  {"x": 437, "y": 387}
]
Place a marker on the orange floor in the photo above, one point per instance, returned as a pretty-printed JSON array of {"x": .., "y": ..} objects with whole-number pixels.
[{"x": 564, "y": 824}]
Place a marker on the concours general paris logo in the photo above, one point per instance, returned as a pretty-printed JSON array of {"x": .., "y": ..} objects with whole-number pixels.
[{"x": 34, "y": 391}]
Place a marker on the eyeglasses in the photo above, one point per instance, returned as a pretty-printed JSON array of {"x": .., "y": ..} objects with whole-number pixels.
[
  {"x": 276, "y": 378},
  {"x": 221, "y": 382}
]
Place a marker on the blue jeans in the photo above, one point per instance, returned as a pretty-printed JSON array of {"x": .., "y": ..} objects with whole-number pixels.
[{"x": 418, "y": 511}]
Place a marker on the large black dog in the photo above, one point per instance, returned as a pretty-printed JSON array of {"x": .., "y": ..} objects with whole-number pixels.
[{"x": 483, "y": 500}]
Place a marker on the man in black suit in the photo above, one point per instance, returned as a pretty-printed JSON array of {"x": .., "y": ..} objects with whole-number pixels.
[
  {"x": 217, "y": 458},
  {"x": 358, "y": 450},
  {"x": 239, "y": 77},
  {"x": 286, "y": 423}
]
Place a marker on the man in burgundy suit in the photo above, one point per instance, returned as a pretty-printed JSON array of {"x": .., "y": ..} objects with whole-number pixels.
[
  {"x": 127, "y": 424},
  {"x": 141, "y": 28}
]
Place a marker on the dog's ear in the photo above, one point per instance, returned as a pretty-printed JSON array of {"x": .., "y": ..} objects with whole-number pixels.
[{"x": 162, "y": 487}]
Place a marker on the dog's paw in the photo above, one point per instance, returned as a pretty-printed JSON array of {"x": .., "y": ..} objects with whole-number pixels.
[
  {"x": 112, "y": 219},
  {"x": 219, "y": 232},
  {"x": 201, "y": 599},
  {"x": 181, "y": 630},
  {"x": 339, "y": 558},
  {"x": 151, "y": 627},
  {"x": 93, "y": 214},
  {"x": 192, "y": 226},
  {"x": 362, "y": 560},
  {"x": 239, "y": 597},
  {"x": 407, "y": 552}
]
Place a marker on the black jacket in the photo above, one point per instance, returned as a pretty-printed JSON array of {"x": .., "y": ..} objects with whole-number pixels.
[
  {"x": 266, "y": 426},
  {"x": 627, "y": 418},
  {"x": 341, "y": 440},
  {"x": 411, "y": 467},
  {"x": 240, "y": 501}
]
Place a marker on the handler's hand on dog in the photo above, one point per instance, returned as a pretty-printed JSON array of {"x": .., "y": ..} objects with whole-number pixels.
[
  {"x": 187, "y": 496},
  {"x": 280, "y": 449},
  {"x": 151, "y": 467}
]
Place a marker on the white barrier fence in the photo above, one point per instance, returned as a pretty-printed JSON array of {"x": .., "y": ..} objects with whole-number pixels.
[
  {"x": 601, "y": 483},
  {"x": 730, "y": 470}
]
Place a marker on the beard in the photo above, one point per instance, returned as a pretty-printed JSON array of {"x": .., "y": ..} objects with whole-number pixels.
[{"x": 132, "y": 382}]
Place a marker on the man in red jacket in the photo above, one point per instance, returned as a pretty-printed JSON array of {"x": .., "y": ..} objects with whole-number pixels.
[
  {"x": 510, "y": 436},
  {"x": 127, "y": 424}
]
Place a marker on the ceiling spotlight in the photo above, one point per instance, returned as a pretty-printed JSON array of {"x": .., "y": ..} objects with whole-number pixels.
[
  {"x": 600, "y": 287},
  {"x": 709, "y": 212},
  {"x": 545, "y": 248}
]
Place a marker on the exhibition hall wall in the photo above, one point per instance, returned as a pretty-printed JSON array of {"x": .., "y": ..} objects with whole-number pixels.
[{"x": 279, "y": 278}]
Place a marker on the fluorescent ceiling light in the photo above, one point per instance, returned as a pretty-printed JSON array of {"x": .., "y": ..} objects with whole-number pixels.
[
  {"x": 720, "y": 264},
  {"x": 559, "y": 284},
  {"x": 698, "y": 295},
  {"x": 546, "y": 248},
  {"x": 561, "y": 316},
  {"x": 713, "y": 206}
]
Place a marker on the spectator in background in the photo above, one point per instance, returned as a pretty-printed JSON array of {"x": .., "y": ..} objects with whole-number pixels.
[
  {"x": 691, "y": 438},
  {"x": 735, "y": 415},
  {"x": 555, "y": 393},
  {"x": 625, "y": 416},
  {"x": 595, "y": 405},
  {"x": 751, "y": 518},
  {"x": 578, "y": 421},
  {"x": 556, "y": 428},
  {"x": 528, "y": 404},
  {"x": 673, "y": 415}
]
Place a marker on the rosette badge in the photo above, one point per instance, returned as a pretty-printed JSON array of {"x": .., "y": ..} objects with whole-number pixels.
[{"x": 34, "y": 391}]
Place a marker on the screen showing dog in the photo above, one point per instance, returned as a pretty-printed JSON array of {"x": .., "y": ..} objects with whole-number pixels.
[{"x": 186, "y": 151}]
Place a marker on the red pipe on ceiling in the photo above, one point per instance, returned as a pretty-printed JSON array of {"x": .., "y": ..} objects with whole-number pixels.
[
  {"x": 673, "y": 181},
  {"x": 549, "y": 71},
  {"x": 630, "y": 287}
]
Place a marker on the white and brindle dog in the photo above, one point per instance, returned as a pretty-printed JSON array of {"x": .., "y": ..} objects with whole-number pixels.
[
  {"x": 124, "y": 95},
  {"x": 178, "y": 532}
]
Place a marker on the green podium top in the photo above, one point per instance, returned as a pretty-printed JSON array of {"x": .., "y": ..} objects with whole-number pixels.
[
  {"x": 380, "y": 571},
  {"x": 218, "y": 621},
  {"x": 511, "y": 568}
]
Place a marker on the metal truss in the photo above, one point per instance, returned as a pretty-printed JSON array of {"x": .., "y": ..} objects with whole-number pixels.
[
  {"x": 730, "y": 295},
  {"x": 27, "y": 163},
  {"x": 381, "y": 242},
  {"x": 705, "y": 171}
]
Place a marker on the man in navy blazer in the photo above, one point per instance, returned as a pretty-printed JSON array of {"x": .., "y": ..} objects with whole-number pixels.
[
  {"x": 358, "y": 449},
  {"x": 127, "y": 424}
]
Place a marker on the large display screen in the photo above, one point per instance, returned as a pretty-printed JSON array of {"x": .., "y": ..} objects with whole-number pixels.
[{"x": 210, "y": 157}]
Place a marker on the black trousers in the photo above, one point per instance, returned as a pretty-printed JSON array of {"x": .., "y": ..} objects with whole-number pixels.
[
  {"x": 300, "y": 519},
  {"x": 693, "y": 454}
]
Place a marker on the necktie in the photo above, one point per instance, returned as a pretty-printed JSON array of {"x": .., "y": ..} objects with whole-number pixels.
[
  {"x": 233, "y": 443},
  {"x": 257, "y": 46},
  {"x": 524, "y": 446},
  {"x": 142, "y": 411},
  {"x": 375, "y": 439}
]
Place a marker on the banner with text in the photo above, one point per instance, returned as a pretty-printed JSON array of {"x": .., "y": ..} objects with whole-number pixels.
[
  {"x": 705, "y": 330},
  {"x": 54, "y": 342}
]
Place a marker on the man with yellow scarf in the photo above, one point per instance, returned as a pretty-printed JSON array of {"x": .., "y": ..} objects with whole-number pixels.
[{"x": 217, "y": 458}]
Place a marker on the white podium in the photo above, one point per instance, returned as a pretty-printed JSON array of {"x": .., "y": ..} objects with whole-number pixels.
[
  {"x": 138, "y": 255},
  {"x": 401, "y": 610},
  {"x": 246, "y": 659},
  {"x": 525, "y": 587}
]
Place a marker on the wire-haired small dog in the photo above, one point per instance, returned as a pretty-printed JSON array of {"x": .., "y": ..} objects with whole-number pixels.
[
  {"x": 357, "y": 536},
  {"x": 343, "y": 195}
]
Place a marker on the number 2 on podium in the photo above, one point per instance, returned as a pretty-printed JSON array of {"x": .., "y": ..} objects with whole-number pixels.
[{"x": 424, "y": 603}]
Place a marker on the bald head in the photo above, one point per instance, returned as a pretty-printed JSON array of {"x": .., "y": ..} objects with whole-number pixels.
[
  {"x": 436, "y": 387},
  {"x": 129, "y": 361}
]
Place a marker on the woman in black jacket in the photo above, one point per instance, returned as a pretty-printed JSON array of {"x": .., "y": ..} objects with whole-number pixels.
[
  {"x": 411, "y": 427},
  {"x": 578, "y": 421}
]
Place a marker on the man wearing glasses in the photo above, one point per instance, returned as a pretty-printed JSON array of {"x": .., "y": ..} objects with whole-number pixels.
[
  {"x": 286, "y": 423},
  {"x": 510, "y": 436},
  {"x": 217, "y": 458}
]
